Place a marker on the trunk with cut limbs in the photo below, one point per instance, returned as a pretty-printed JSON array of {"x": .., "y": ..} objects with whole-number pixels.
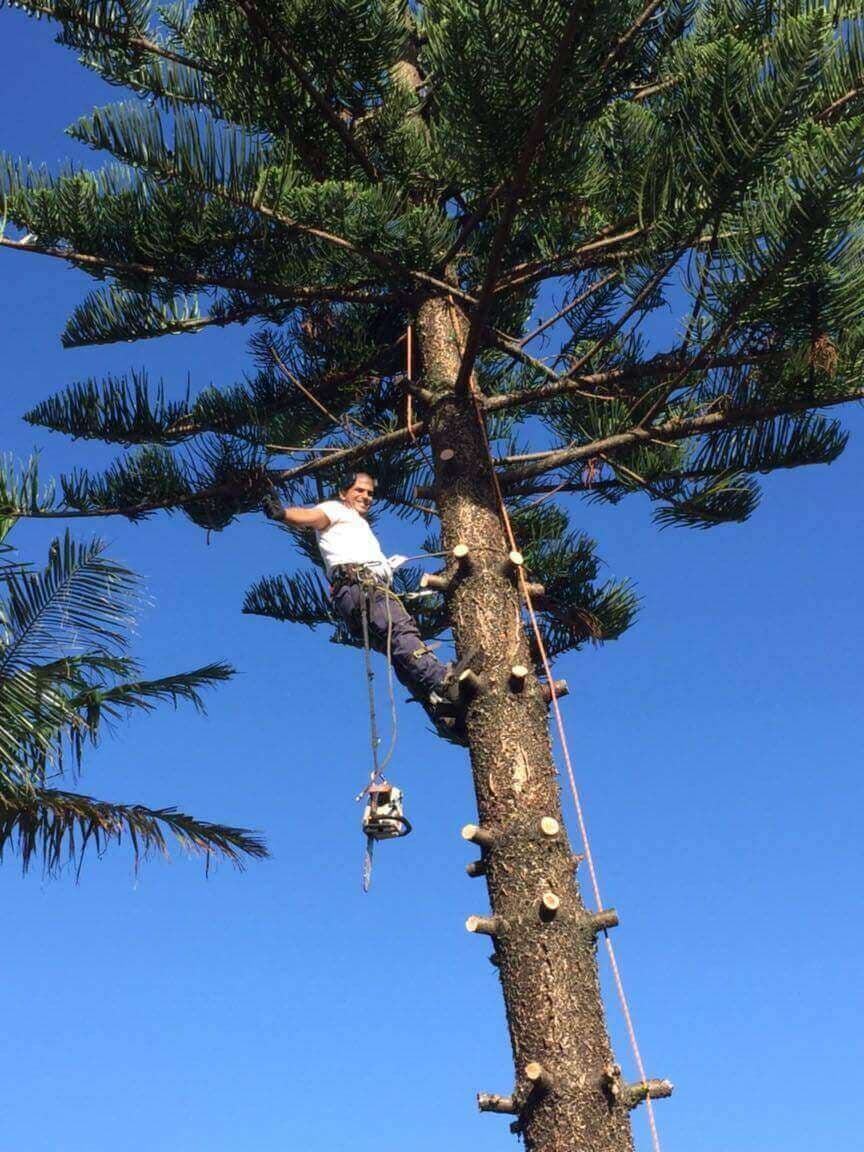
[{"x": 543, "y": 937}]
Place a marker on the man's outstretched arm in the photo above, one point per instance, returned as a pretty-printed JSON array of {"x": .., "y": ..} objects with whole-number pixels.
[{"x": 294, "y": 517}]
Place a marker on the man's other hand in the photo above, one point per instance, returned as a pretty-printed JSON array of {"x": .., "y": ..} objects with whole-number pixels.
[{"x": 273, "y": 508}]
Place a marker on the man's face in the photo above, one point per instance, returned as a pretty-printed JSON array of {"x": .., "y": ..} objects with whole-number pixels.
[{"x": 360, "y": 495}]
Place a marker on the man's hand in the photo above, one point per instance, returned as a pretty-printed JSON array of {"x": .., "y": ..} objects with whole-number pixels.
[{"x": 272, "y": 507}]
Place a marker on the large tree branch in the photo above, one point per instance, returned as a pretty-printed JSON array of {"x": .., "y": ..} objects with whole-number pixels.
[
  {"x": 298, "y": 293},
  {"x": 513, "y": 193},
  {"x": 720, "y": 334},
  {"x": 577, "y": 260},
  {"x": 514, "y": 349},
  {"x": 597, "y": 286},
  {"x": 352, "y": 455},
  {"x": 378, "y": 259},
  {"x": 326, "y": 386},
  {"x": 623, "y": 40},
  {"x": 261, "y": 24},
  {"x": 586, "y": 384},
  {"x": 337, "y": 458},
  {"x": 668, "y": 433},
  {"x": 684, "y": 475}
]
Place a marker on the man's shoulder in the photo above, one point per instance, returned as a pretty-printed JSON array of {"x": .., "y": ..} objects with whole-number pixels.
[{"x": 335, "y": 511}]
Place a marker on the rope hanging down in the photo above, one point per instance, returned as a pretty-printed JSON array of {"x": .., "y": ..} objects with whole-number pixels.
[
  {"x": 376, "y": 776},
  {"x": 559, "y": 722}
]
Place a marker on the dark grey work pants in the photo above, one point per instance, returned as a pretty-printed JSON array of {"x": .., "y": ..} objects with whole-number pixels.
[{"x": 413, "y": 663}]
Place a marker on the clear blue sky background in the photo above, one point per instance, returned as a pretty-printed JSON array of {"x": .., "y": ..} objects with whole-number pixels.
[{"x": 717, "y": 746}]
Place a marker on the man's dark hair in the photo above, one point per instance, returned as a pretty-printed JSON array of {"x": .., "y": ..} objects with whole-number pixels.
[{"x": 347, "y": 479}]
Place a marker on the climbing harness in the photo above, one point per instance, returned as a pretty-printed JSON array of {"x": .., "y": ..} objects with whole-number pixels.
[{"x": 383, "y": 817}]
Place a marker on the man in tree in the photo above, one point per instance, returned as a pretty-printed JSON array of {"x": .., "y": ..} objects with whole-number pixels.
[
  {"x": 397, "y": 193},
  {"x": 360, "y": 576}
]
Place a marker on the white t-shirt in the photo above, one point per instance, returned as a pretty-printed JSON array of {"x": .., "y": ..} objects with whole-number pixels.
[{"x": 348, "y": 539}]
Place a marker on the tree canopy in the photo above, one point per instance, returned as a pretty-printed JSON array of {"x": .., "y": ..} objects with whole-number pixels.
[
  {"x": 395, "y": 195},
  {"x": 320, "y": 168}
]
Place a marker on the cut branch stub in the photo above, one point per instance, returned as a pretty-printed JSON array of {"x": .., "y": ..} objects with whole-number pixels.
[
  {"x": 425, "y": 492},
  {"x": 549, "y": 826},
  {"x": 632, "y": 1095},
  {"x": 462, "y": 556},
  {"x": 561, "y": 689},
  {"x": 539, "y": 1078},
  {"x": 535, "y": 591},
  {"x": 600, "y": 921},
  {"x": 502, "y": 1104},
  {"x": 518, "y": 676},
  {"x": 442, "y": 581},
  {"x": 513, "y": 563},
  {"x": 476, "y": 868},
  {"x": 611, "y": 1082},
  {"x": 484, "y": 837},
  {"x": 436, "y": 581},
  {"x": 468, "y": 685},
  {"x": 447, "y": 461},
  {"x": 485, "y": 925},
  {"x": 549, "y": 905}
]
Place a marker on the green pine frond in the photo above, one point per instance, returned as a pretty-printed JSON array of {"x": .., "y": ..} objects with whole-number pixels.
[
  {"x": 787, "y": 442},
  {"x": 299, "y": 599},
  {"x": 177, "y": 17},
  {"x": 728, "y": 498},
  {"x": 21, "y": 491},
  {"x": 219, "y": 480},
  {"x": 119, "y": 409},
  {"x": 87, "y": 23},
  {"x": 147, "y": 478},
  {"x": 192, "y": 147},
  {"x": 603, "y": 613},
  {"x": 574, "y": 609},
  {"x": 114, "y": 314},
  {"x": 347, "y": 51},
  {"x": 303, "y": 598}
]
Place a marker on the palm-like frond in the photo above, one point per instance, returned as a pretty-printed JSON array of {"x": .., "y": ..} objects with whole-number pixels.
[
  {"x": 81, "y": 599},
  {"x": 57, "y": 827},
  {"x": 66, "y": 675}
]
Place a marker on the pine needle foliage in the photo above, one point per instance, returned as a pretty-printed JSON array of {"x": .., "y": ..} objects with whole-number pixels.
[
  {"x": 66, "y": 677},
  {"x": 318, "y": 168}
]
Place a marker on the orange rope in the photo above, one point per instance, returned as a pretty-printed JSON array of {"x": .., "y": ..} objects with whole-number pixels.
[{"x": 541, "y": 647}]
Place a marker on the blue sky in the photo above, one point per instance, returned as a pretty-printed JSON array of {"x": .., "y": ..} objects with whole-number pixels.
[{"x": 716, "y": 745}]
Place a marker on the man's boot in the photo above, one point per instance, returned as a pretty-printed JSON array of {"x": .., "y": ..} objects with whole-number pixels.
[{"x": 441, "y": 704}]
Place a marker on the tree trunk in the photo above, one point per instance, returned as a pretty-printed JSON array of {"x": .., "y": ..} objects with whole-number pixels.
[{"x": 545, "y": 949}]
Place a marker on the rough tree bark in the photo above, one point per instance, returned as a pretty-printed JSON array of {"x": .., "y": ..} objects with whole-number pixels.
[{"x": 546, "y": 955}]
